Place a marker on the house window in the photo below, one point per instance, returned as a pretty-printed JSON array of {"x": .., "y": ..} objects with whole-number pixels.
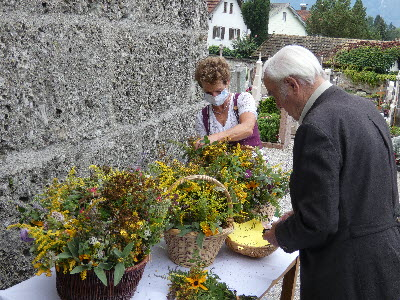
[
  {"x": 284, "y": 16},
  {"x": 218, "y": 32},
  {"x": 231, "y": 8},
  {"x": 225, "y": 7},
  {"x": 234, "y": 33}
]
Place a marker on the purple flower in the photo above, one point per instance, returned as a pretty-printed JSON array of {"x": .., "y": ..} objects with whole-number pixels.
[
  {"x": 24, "y": 235},
  {"x": 248, "y": 174}
]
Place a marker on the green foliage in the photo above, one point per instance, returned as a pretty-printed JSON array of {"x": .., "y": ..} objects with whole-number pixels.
[
  {"x": 333, "y": 18},
  {"x": 244, "y": 47},
  {"x": 336, "y": 18},
  {"x": 368, "y": 77},
  {"x": 107, "y": 220},
  {"x": 268, "y": 125},
  {"x": 372, "y": 58},
  {"x": 199, "y": 284},
  {"x": 213, "y": 50},
  {"x": 395, "y": 131},
  {"x": 256, "y": 14},
  {"x": 268, "y": 120},
  {"x": 268, "y": 106}
]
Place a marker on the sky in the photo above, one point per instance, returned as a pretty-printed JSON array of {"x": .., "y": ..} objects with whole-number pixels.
[{"x": 389, "y": 10}]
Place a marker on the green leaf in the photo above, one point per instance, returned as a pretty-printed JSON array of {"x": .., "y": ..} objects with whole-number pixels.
[
  {"x": 127, "y": 249},
  {"x": 21, "y": 209},
  {"x": 200, "y": 239},
  {"x": 117, "y": 252},
  {"x": 78, "y": 269},
  {"x": 101, "y": 275},
  {"x": 118, "y": 273},
  {"x": 73, "y": 246},
  {"x": 64, "y": 255},
  {"x": 105, "y": 266}
]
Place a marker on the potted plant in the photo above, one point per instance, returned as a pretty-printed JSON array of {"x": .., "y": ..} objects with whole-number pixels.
[{"x": 97, "y": 231}]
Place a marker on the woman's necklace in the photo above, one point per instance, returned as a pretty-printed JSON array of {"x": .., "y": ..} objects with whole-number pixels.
[{"x": 224, "y": 109}]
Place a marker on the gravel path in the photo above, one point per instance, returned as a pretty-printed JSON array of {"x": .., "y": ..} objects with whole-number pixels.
[{"x": 284, "y": 158}]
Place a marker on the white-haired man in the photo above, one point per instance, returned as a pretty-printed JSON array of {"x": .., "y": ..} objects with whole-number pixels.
[{"x": 343, "y": 186}]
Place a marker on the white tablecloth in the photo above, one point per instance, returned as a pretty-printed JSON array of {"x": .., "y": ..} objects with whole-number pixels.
[{"x": 249, "y": 276}]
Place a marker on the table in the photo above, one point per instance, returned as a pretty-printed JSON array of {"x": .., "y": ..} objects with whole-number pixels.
[{"x": 249, "y": 276}]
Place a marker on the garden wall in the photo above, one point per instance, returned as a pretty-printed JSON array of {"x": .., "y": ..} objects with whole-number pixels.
[{"x": 89, "y": 82}]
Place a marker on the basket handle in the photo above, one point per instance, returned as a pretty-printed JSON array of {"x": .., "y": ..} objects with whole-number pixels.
[{"x": 209, "y": 179}]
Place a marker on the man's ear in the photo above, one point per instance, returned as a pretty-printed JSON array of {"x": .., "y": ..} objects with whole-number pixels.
[{"x": 293, "y": 84}]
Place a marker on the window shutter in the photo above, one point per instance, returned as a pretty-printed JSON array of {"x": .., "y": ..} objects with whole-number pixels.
[
  {"x": 231, "y": 9},
  {"x": 238, "y": 33},
  {"x": 214, "y": 31},
  {"x": 225, "y": 7},
  {"x": 222, "y": 33},
  {"x": 231, "y": 34}
]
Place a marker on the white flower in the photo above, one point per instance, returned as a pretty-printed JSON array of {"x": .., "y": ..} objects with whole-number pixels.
[{"x": 57, "y": 216}]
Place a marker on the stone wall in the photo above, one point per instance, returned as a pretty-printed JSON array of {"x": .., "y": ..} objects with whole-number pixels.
[{"x": 89, "y": 82}]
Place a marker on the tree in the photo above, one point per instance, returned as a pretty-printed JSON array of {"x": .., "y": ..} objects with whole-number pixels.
[
  {"x": 336, "y": 18},
  {"x": 256, "y": 15},
  {"x": 381, "y": 27},
  {"x": 359, "y": 15},
  {"x": 393, "y": 32}
]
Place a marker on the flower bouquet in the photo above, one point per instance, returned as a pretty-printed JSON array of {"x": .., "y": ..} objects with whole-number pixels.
[
  {"x": 251, "y": 181},
  {"x": 97, "y": 230},
  {"x": 254, "y": 186},
  {"x": 199, "y": 284},
  {"x": 200, "y": 216}
]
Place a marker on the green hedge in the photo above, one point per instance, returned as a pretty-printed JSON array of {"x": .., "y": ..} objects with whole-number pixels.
[{"x": 268, "y": 121}]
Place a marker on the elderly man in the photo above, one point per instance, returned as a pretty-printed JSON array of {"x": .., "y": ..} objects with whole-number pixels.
[{"x": 343, "y": 187}]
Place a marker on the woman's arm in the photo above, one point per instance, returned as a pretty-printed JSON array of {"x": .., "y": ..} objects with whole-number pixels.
[{"x": 244, "y": 129}]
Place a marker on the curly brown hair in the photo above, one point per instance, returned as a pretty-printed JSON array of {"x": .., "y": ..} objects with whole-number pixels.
[{"x": 211, "y": 70}]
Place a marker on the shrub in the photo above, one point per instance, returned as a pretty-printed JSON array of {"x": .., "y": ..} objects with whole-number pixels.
[
  {"x": 395, "y": 131},
  {"x": 268, "y": 120},
  {"x": 268, "y": 125},
  {"x": 268, "y": 106}
]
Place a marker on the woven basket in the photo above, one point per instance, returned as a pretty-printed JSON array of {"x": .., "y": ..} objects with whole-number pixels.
[
  {"x": 249, "y": 250},
  {"x": 181, "y": 248},
  {"x": 266, "y": 211},
  {"x": 72, "y": 287}
]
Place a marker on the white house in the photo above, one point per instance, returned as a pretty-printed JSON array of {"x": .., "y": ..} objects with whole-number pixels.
[
  {"x": 284, "y": 19},
  {"x": 225, "y": 22}
]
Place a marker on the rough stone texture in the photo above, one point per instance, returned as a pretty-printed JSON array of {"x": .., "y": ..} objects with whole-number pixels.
[{"x": 89, "y": 82}]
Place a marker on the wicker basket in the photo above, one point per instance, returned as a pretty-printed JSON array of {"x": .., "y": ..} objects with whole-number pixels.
[
  {"x": 181, "y": 248},
  {"x": 252, "y": 231},
  {"x": 249, "y": 250},
  {"x": 265, "y": 211},
  {"x": 72, "y": 287}
]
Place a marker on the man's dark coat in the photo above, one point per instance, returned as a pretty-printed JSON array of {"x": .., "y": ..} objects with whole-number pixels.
[{"x": 344, "y": 195}]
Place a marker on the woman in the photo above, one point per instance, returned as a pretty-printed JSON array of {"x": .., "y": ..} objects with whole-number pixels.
[{"x": 229, "y": 116}]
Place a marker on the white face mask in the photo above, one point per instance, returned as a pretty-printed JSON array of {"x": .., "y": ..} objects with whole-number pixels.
[{"x": 217, "y": 100}]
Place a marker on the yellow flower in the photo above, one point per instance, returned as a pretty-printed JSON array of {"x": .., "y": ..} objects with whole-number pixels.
[
  {"x": 252, "y": 185},
  {"x": 196, "y": 282},
  {"x": 83, "y": 257},
  {"x": 123, "y": 233},
  {"x": 83, "y": 274},
  {"x": 37, "y": 223}
]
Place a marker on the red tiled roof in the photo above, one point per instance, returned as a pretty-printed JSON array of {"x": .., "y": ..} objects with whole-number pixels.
[
  {"x": 319, "y": 45},
  {"x": 304, "y": 14},
  {"x": 211, "y": 4}
]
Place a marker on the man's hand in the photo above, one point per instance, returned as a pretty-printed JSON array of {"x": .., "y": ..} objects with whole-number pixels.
[{"x": 269, "y": 235}]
